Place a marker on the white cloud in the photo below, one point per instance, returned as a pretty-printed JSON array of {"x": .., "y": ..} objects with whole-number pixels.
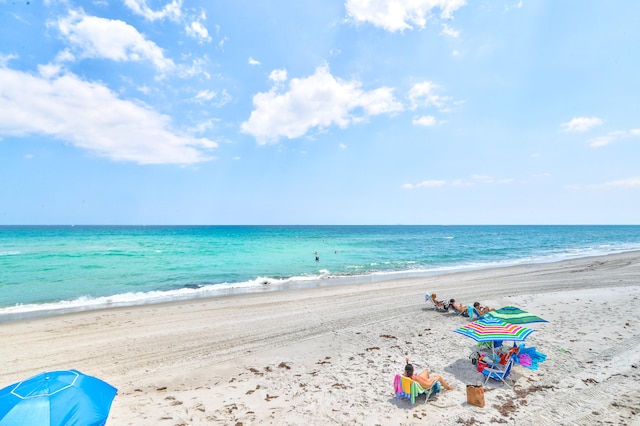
[
  {"x": 278, "y": 76},
  {"x": 630, "y": 183},
  {"x": 448, "y": 31},
  {"x": 423, "y": 95},
  {"x": 399, "y": 15},
  {"x": 222, "y": 42},
  {"x": 318, "y": 101},
  {"x": 489, "y": 180},
  {"x": 425, "y": 184},
  {"x": 623, "y": 183},
  {"x": 65, "y": 56},
  {"x": 253, "y": 61},
  {"x": 93, "y": 37},
  {"x": 206, "y": 96},
  {"x": 92, "y": 117},
  {"x": 475, "y": 179},
  {"x": 462, "y": 182},
  {"x": 427, "y": 121},
  {"x": 612, "y": 137},
  {"x": 49, "y": 70},
  {"x": 517, "y": 5},
  {"x": 171, "y": 10},
  {"x": 197, "y": 30},
  {"x": 581, "y": 124},
  {"x": 4, "y": 59},
  {"x": 204, "y": 126},
  {"x": 197, "y": 67}
]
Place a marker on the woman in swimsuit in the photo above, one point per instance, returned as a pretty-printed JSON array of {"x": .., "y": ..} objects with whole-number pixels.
[
  {"x": 482, "y": 309},
  {"x": 425, "y": 380}
]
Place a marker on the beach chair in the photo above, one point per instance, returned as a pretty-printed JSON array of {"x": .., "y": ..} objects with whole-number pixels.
[
  {"x": 498, "y": 372},
  {"x": 428, "y": 299},
  {"x": 406, "y": 388},
  {"x": 464, "y": 312},
  {"x": 473, "y": 313}
]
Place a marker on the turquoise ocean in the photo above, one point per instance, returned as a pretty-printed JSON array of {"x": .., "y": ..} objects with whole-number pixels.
[{"x": 45, "y": 270}]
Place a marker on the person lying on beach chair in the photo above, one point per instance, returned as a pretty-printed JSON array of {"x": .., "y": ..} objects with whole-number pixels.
[
  {"x": 438, "y": 304},
  {"x": 482, "y": 309},
  {"x": 425, "y": 380},
  {"x": 473, "y": 312},
  {"x": 458, "y": 308}
]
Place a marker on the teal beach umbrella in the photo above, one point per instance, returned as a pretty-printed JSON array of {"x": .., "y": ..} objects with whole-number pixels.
[
  {"x": 514, "y": 315},
  {"x": 57, "y": 398}
]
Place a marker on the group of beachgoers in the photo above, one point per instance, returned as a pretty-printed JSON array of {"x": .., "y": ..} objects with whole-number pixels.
[
  {"x": 445, "y": 306},
  {"x": 424, "y": 378}
]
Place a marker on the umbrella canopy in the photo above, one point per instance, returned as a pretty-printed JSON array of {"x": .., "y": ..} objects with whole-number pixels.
[
  {"x": 514, "y": 315},
  {"x": 66, "y": 397},
  {"x": 489, "y": 329}
]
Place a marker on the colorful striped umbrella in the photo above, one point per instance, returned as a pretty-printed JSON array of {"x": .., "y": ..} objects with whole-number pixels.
[
  {"x": 514, "y": 315},
  {"x": 490, "y": 329}
]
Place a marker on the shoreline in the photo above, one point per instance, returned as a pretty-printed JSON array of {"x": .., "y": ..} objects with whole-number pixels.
[
  {"x": 327, "y": 355},
  {"x": 23, "y": 312}
]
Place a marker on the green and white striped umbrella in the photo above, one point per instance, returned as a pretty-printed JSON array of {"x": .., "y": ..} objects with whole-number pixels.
[
  {"x": 490, "y": 329},
  {"x": 514, "y": 315}
]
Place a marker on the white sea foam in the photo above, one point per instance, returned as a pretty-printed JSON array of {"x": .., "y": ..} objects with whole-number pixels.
[{"x": 84, "y": 303}]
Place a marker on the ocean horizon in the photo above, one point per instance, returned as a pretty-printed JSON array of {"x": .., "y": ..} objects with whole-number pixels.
[{"x": 53, "y": 269}]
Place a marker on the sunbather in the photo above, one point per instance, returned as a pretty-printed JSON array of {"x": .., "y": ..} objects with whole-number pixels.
[
  {"x": 425, "y": 380},
  {"x": 459, "y": 308},
  {"x": 439, "y": 303},
  {"x": 482, "y": 309}
]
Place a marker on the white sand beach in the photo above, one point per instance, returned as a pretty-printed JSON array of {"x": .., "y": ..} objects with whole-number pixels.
[{"x": 328, "y": 355}]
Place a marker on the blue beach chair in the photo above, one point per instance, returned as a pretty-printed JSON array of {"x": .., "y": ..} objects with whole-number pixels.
[
  {"x": 499, "y": 374},
  {"x": 473, "y": 313}
]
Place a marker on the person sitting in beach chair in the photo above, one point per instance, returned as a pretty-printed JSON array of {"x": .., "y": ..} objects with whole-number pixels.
[
  {"x": 458, "y": 308},
  {"x": 482, "y": 309},
  {"x": 473, "y": 312},
  {"x": 438, "y": 304},
  {"x": 423, "y": 378}
]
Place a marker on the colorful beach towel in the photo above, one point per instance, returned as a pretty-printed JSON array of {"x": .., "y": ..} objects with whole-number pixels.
[{"x": 530, "y": 357}]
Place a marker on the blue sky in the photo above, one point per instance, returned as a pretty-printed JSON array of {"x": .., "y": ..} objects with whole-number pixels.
[{"x": 319, "y": 112}]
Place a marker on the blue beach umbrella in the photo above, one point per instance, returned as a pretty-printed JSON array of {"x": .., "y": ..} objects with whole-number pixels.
[{"x": 57, "y": 398}]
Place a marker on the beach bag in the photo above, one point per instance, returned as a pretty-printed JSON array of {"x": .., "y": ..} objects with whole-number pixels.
[
  {"x": 475, "y": 395},
  {"x": 474, "y": 357}
]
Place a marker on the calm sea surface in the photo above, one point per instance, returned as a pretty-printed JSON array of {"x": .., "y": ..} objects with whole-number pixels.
[{"x": 49, "y": 269}]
